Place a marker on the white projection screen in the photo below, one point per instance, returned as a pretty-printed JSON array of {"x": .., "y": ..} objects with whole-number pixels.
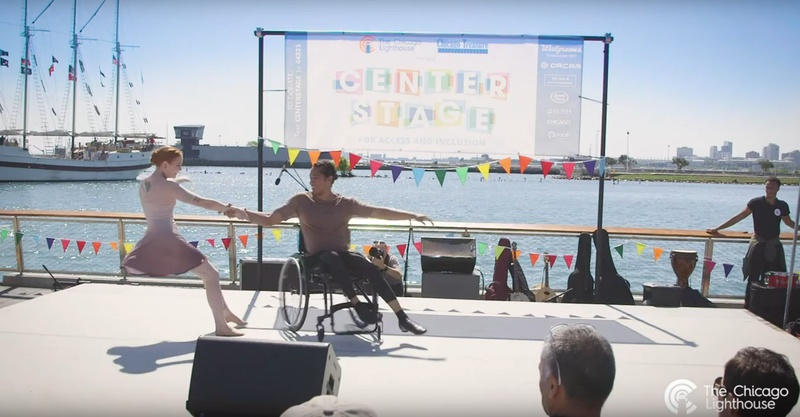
[{"x": 433, "y": 94}]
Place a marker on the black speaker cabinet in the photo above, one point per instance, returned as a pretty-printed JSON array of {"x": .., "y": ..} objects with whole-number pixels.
[
  {"x": 770, "y": 303},
  {"x": 661, "y": 295},
  {"x": 270, "y": 273},
  {"x": 448, "y": 254},
  {"x": 253, "y": 377}
]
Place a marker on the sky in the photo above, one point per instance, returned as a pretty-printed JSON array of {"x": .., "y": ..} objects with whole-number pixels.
[{"x": 681, "y": 72}]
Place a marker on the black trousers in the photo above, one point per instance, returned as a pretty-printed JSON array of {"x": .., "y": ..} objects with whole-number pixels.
[{"x": 345, "y": 265}]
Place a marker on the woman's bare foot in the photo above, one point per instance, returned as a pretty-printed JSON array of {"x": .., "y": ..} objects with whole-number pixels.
[
  {"x": 227, "y": 331},
  {"x": 233, "y": 318}
]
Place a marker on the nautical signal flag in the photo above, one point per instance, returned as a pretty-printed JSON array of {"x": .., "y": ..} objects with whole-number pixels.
[
  {"x": 3, "y": 62},
  {"x": 3, "y": 53}
]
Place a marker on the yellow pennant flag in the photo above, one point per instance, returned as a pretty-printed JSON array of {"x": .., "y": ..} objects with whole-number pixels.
[
  {"x": 277, "y": 233},
  {"x": 113, "y": 245},
  {"x": 293, "y": 155},
  {"x": 353, "y": 247},
  {"x": 498, "y": 250},
  {"x": 657, "y": 253},
  {"x": 484, "y": 169},
  {"x": 640, "y": 248},
  {"x": 128, "y": 247},
  {"x": 243, "y": 239},
  {"x": 313, "y": 156}
]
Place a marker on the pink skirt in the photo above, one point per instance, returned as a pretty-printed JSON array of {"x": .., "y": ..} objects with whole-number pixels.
[{"x": 162, "y": 254}]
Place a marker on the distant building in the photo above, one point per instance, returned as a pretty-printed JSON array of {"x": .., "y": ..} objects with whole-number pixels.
[
  {"x": 752, "y": 155},
  {"x": 772, "y": 152},
  {"x": 727, "y": 150},
  {"x": 685, "y": 152},
  {"x": 713, "y": 153},
  {"x": 189, "y": 137}
]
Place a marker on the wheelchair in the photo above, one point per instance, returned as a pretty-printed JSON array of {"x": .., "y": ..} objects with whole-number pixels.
[{"x": 300, "y": 278}]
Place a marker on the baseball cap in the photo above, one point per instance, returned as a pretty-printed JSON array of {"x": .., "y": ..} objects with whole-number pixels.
[{"x": 329, "y": 406}]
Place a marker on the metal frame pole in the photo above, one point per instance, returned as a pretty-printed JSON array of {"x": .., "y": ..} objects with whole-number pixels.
[
  {"x": 598, "y": 263},
  {"x": 790, "y": 281},
  {"x": 260, "y": 229}
]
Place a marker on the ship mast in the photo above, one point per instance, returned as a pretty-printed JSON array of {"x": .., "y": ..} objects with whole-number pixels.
[
  {"x": 119, "y": 62},
  {"x": 24, "y": 69},
  {"x": 74, "y": 74}
]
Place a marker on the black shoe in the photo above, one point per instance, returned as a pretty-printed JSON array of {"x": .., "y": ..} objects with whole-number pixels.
[
  {"x": 366, "y": 314},
  {"x": 408, "y": 325}
]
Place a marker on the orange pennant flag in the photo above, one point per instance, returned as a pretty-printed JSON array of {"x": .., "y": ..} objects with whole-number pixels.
[
  {"x": 96, "y": 246},
  {"x": 506, "y": 164},
  {"x": 657, "y": 253},
  {"x": 243, "y": 239},
  {"x": 313, "y": 156},
  {"x": 568, "y": 167},
  {"x": 523, "y": 163},
  {"x": 534, "y": 258},
  {"x": 226, "y": 241},
  {"x": 366, "y": 249},
  {"x": 113, "y": 245},
  {"x": 517, "y": 254},
  {"x": 81, "y": 244},
  {"x": 336, "y": 156}
]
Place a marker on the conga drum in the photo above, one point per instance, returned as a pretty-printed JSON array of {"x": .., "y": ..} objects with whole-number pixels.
[{"x": 683, "y": 263}]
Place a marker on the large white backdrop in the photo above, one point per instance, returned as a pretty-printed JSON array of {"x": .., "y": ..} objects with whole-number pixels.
[{"x": 433, "y": 94}]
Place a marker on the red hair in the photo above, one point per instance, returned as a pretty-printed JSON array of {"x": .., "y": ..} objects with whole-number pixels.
[{"x": 165, "y": 154}]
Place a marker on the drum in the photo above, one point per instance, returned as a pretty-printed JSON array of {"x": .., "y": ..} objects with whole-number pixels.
[
  {"x": 683, "y": 263},
  {"x": 779, "y": 279}
]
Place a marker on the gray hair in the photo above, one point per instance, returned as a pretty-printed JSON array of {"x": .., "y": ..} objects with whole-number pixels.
[{"x": 585, "y": 361}]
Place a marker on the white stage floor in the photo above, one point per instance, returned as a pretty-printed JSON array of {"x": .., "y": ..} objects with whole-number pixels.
[{"x": 114, "y": 350}]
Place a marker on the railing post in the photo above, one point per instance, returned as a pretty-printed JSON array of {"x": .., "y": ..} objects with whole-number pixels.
[
  {"x": 708, "y": 254},
  {"x": 18, "y": 246},
  {"x": 121, "y": 246},
  {"x": 232, "y": 253}
]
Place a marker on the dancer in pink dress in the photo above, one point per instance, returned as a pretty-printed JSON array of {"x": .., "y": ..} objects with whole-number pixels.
[{"x": 163, "y": 251}]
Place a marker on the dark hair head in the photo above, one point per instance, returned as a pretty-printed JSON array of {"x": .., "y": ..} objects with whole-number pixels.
[
  {"x": 326, "y": 168},
  {"x": 586, "y": 363},
  {"x": 776, "y": 180},
  {"x": 165, "y": 154},
  {"x": 762, "y": 368}
]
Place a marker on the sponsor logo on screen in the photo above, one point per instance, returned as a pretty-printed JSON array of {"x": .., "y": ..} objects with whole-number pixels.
[
  {"x": 462, "y": 46},
  {"x": 559, "y": 97},
  {"x": 370, "y": 44},
  {"x": 366, "y": 44},
  {"x": 559, "y": 65},
  {"x": 561, "y": 49}
]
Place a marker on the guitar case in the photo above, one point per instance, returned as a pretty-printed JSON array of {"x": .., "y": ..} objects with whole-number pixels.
[
  {"x": 521, "y": 292},
  {"x": 498, "y": 290},
  {"x": 612, "y": 288},
  {"x": 580, "y": 283}
]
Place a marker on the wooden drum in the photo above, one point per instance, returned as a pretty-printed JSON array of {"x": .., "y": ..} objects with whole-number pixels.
[{"x": 683, "y": 263}]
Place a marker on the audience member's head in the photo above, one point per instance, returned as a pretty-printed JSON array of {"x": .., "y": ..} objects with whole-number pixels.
[
  {"x": 576, "y": 371},
  {"x": 758, "y": 376},
  {"x": 329, "y": 406}
]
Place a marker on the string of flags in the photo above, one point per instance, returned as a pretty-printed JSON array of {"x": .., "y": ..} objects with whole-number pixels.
[
  {"x": 396, "y": 169},
  {"x": 708, "y": 264}
]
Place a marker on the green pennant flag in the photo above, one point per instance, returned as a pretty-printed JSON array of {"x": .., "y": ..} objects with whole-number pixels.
[
  {"x": 440, "y": 173},
  {"x": 3, "y": 234},
  {"x": 17, "y": 237},
  {"x": 618, "y": 248},
  {"x": 481, "y": 248},
  {"x": 462, "y": 174},
  {"x": 275, "y": 146}
]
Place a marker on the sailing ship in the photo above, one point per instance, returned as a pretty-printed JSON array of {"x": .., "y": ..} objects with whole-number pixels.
[{"x": 108, "y": 155}]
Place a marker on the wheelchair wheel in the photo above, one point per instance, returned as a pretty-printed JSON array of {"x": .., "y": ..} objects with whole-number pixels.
[{"x": 294, "y": 294}]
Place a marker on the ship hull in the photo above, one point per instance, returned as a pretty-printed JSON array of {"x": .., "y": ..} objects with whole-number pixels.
[{"x": 17, "y": 164}]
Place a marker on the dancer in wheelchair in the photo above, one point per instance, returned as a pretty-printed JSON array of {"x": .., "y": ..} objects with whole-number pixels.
[{"x": 324, "y": 218}]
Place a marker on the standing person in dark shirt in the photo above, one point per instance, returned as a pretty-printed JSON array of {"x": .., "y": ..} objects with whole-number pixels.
[{"x": 765, "y": 252}]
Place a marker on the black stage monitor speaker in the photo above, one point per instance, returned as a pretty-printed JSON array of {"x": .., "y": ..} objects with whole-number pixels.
[
  {"x": 661, "y": 295},
  {"x": 770, "y": 303},
  {"x": 448, "y": 254},
  {"x": 270, "y": 273},
  {"x": 249, "y": 377}
]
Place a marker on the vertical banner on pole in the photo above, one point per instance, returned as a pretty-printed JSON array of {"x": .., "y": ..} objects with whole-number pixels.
[{"x": 296, "y": 116}]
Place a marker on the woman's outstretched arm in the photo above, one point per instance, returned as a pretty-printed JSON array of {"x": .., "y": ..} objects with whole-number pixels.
[{"x": 188, "y": 197}]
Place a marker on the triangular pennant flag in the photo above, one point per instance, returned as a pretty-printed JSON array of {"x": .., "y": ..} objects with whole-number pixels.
[
  {"x": 484, "y": 169},
  {"x": 96, "y": 246},
  {"x": 657, "y": 253},
  {"x": 462, "y": 174},
  {"x": 568, "y": 260},
  {"x": 128, "y": 247},
  {"x": 64, "y": 244},
  {"x": 727, "y": 268},
  {"x": 602, "y": 166},
  {"x": 418, "y": 246},
  {"x": 396, "y": 171},
  {"x": 275, "y": 146},
  {"x": 243, "y": 239},
  {"x": 36, "y": 239},
  {"x": 498, "y": 250},
  {"x": 552, "y": 260},
  {"x": 293, "y": 155},
  {"x": 3, "y": 235},
  {"x": 534, "y": 258},
  {"x": 709, "y": 265},
  {"x": 418, "y": 173},
  {"x": 211, "y": 241},
  {"x": 640, "y": 248},
  {"x": 402, "y": 249},
  {"x": 619, "y": 248},
  {"x": 517, "y": 254},
  {"x": 114, "y": 245},
  {"x": 482, "y": 247},
  {"x": 313, "y": 156},
  {"x": 336, "y": 156},
  {"x": 366, "y": 249},
  {"x": 354, "y": 160},
  {"x": 523, "y": 163},
  {"x": 506, "y": 164},
  {"x": 81, "y": 245},
  {"x": 277, "y": 233},
  {"x": 374, "y": 166},
  {"x": 568, "y": 168},
  {"x": 589, "y": 165},
  {"x": 194, "y": 243},
  {"x": 50, "y": 242},
  {"x": 226, "y": 241},
  {"x": 440, "y": 173},
  {"x": 17, "y": 237},
  {"x": 546, "y": 165}
]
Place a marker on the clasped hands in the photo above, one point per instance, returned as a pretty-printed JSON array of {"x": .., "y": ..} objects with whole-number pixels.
[{"x": 236, "y": 212}]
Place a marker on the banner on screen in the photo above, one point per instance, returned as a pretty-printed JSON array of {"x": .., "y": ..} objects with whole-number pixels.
[{"x": 424, "y": 94}]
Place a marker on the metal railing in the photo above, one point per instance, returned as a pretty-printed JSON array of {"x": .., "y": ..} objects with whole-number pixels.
[{"x": 54, "y": 238}]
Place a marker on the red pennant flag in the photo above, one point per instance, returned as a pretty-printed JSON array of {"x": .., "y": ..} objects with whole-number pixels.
[
  {"x": 374, "y": 166},
  {"x": 551, "y": 259},
  {"x": 709, "y": 265},
  {"x": 418, "y": 245},
  {"x": 96, "y": 246},
  {"x": 568, "y": 260},
  {"x": 243, "y": 239},
  {"x": 211, "y": 241},
  {"x": 402, "y": 249},
  {"x": 80, "y": 244},
  {"x": 546, "y": 165},
  {"x": 523, "y": 163},
  {"x": 336, "y": 156},
  {"x": 64, "y": 244},
  {"x": 568, "y": 167},
  {"x": 226, "y": 241},
  {"x": 354, "y": 160},
  {"x": 534, "y": 258}
]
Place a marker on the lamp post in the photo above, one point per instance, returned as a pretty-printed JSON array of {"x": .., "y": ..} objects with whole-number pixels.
[{"x": 628, "y": 153}]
